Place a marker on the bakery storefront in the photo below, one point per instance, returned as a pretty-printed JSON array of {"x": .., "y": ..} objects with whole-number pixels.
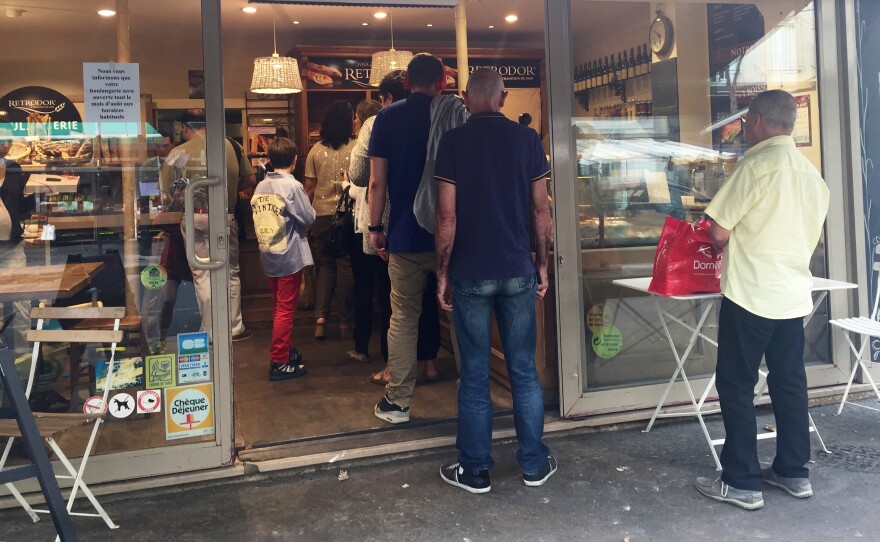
[{"x": 639, "y": 105}]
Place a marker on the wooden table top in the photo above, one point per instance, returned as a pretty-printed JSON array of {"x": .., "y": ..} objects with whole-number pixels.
[{"x": 46, "y": 281}]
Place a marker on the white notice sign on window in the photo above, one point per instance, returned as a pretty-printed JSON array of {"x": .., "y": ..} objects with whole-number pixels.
[{"x": 112, "y": 92}]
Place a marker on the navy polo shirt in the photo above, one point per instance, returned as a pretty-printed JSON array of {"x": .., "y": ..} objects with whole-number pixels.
[
  {"x": 492, "y": 161},
  {"x": 400, "y": 135}
]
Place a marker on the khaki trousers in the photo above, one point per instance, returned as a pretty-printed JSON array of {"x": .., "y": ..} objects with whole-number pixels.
[
  {"x": 202, "y": 278},
  {"x": 408, "y": 273}
]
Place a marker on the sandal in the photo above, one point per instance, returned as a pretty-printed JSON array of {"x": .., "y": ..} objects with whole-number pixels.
[
  {"x": 430, "y": 379},
  {"x": 319, "y": 330},
  {"x": 379, "y": 378},
  {"x": 354, "y": 355}
]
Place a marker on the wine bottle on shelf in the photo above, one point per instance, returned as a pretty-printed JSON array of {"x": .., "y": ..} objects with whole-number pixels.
[
  {"x": 582, "y": 77},
  {"x": 648, "y": 59},
  {"x": 578, "y": 77},
  {"x": 606, "y": 72},
  {"x": 588, "y": 76},
  {"x": 631, "y": 64},
  {"x": 637, "y": 62},
  {"x": 597, "y": 74},
  {"x": 618, "y": 68}
]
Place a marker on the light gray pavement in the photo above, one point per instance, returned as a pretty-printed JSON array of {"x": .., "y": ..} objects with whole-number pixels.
[{"x": 612, "y": 485}]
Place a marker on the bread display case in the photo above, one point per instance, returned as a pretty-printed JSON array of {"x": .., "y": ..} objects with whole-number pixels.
[{"x": 628, "y": 186}]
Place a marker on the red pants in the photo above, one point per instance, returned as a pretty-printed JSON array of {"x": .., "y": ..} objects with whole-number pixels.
[{"x": 285, "y": 291}]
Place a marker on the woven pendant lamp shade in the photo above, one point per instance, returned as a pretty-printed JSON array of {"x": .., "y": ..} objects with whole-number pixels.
[
  {"x": 276, "y": 75},
  {"x": 387, "y": 61}
]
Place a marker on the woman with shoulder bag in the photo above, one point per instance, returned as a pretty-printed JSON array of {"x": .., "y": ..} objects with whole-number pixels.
[{"x": 324, "y": 181}]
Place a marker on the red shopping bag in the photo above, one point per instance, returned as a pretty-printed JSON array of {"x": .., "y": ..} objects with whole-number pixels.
[{"x": 686, "y": 262}]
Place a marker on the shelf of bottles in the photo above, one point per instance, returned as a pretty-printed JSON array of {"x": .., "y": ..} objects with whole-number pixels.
[{"x": 607, "y": 75}]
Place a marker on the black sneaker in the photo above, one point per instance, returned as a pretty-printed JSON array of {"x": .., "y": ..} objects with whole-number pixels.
[
  {"x": 538, "y": 479},
  {"x": 453, "y": 474},
  {"x": 295, "y": 356},
  {"x": 243, "y": 336},
  {"x": 389, "y": 412},
  {"x": 286, "y": 371}
]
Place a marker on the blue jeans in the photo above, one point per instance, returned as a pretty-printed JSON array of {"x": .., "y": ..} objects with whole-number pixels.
[{"x": 513, "y": 302}]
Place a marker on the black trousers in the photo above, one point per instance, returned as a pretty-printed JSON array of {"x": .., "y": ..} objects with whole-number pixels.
[
  {"x": 371, "y": 279},
  {"x": 743, "y": 339}
]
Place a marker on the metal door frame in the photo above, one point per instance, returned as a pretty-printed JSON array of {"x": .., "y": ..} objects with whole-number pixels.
[{"x": 844, "y": 238}]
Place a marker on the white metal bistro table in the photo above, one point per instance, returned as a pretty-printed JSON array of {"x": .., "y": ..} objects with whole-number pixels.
[{"x": 821, "y": 287}]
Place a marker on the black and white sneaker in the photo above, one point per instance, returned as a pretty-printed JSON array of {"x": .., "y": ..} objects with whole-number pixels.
[
  {"x": 295, "y": 356},
  {"x": 286, "y": 371},
  {"x": 389, "y": 412},
  {"x": 453, "y": 474},
  {"x": 538, "y": 479}
]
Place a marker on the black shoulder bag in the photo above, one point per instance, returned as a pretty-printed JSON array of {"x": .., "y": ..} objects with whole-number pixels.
[{"x": 341, "y": 232}]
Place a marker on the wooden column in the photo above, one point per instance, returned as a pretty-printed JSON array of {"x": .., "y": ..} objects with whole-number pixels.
[
  {"x": 127, "y": 148},
  {"x": 461, "y": 46}
]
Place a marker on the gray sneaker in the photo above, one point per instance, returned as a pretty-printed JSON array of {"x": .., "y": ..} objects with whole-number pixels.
[
  {"x": 796, "y": 487},
  {"x": 721, "y": 492}
]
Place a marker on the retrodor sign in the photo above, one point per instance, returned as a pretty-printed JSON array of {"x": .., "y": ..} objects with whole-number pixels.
[
  {"x": 340, "y": 72},
  {"x": 39, "y": 111}
]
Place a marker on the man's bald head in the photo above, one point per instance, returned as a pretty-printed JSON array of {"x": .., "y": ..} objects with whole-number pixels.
[{"x": 485, "y": 91}]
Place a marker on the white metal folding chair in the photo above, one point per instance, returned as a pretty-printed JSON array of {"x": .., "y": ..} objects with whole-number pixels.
[
  {"x": 866, "y": 327},
  {"x": 39, "y": 335}
]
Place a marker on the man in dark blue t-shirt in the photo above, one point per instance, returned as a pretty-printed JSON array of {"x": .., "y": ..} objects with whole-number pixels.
[
  {"x": 492, "y": 173},
  {"x": 398, "y": 150}
]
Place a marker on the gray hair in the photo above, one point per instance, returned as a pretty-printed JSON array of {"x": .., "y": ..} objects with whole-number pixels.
[
  {"x": 484, "y": 83},
  {"x": 777, "y": 108}
]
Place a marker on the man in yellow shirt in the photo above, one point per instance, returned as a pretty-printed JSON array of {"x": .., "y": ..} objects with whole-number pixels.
[{"x": 769, "y": 218}]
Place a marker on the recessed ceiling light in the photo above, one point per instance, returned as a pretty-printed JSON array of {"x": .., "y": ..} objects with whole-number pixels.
[
  {"x": 365, "y": 24},
  {"x": 380, "y": 15},
  {"x": 106, "y": 12},
  {"x": 249, "y": 9},
  {"x": 429, "y": 24},
  {"x": 295, "y": 22},
  {"x": 511, "y": 18},
  {"x": 491, "y": 26}
]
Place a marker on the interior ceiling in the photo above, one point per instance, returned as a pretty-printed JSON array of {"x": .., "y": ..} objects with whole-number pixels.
[{"x": 318, "y": 25}]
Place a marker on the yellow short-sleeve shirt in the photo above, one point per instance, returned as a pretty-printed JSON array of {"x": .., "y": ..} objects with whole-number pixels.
[{"x": 774, "y": 204}]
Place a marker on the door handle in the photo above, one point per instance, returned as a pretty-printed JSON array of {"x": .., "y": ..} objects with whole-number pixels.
[{"x": 189, "y": 216}]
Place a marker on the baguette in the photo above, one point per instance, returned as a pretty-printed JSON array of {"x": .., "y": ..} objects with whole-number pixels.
[
  {"x": 325, "y": 70},
  {"x": 317, "y": 78}
]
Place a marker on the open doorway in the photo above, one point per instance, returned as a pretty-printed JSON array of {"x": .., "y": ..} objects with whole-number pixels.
[{"x": 335, "y": 400}]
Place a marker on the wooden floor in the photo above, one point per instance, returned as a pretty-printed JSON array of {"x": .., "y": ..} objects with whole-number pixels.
[{"x": 335, "y": 397}]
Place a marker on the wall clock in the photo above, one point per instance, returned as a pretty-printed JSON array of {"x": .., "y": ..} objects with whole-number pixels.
[{"x": 662, "y": 35}]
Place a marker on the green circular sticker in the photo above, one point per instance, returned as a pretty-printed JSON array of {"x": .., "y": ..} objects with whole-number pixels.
[
  {"x": 598, "y": 317},
  {"x": 607, "y": 342},
  {"x": 153, "y": 277}
]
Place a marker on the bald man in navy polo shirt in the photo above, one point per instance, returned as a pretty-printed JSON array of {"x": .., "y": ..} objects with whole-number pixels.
[{"x": 492, "y": 173}]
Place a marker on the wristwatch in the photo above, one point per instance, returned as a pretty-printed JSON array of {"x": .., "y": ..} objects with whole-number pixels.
[{"x": 375, "y": 229}]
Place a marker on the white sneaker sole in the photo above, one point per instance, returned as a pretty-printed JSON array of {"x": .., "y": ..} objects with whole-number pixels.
[
  {"x": 796, "y": 494},
  {"x": 536, "y": 483},
  {"x": 469, "y": 489},
  {"x": 391, "y": 417}
]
